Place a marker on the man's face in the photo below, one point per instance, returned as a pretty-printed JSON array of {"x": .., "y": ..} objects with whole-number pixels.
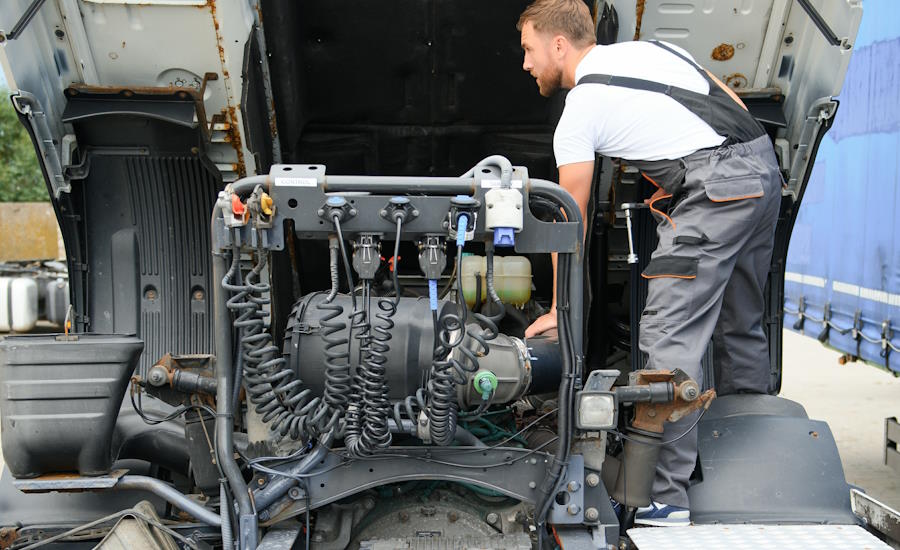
[{"x": 540, "y": 62}]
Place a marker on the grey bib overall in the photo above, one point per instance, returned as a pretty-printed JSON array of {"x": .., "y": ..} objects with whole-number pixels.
[{"x": 708, "y": 272}]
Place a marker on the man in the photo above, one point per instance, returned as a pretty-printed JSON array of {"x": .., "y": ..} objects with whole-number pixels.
[{"x": 650, "y": 105}]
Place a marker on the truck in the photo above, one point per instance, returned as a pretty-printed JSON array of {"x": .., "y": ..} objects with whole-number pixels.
[{"x": 304, "y": 240}]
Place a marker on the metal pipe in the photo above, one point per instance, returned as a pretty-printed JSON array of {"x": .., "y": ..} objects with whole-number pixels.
[
  {"x": 463, "y": 436},
  {"x": 400, "y": 185},
  {"x": 500, "y": 162},
  {"x": 171, "y": 495},
  {"x": 247, "y": 526},
  {"x": 280, "y": 485},
  {"x": 247, "y": 185}
]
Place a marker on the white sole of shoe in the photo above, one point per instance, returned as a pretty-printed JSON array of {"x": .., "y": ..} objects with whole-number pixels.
[{"x": 674, "y": 522}]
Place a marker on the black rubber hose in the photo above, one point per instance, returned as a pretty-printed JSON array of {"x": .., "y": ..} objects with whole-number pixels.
[{"x": 569, "y": 290}]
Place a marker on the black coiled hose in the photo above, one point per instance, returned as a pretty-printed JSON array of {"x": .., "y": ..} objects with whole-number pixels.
[
  {"x": 367, "y": 429},
  {"x": 337, "y": 353},
  {"x": 448, "y": 372},
  {"x": 278, "y": 395}
]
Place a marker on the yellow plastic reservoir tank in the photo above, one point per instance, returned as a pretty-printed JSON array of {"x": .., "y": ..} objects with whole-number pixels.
[{"x": 512, "y": 279}]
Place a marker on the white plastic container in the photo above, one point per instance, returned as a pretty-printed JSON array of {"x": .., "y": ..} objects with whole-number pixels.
[
  {"x": 18, "y": 304},
  {"x": 512, "y": 279}
]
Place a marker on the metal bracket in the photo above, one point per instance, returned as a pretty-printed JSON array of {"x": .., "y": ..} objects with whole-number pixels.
[
  {"x": 68, "y": 482},
  {"x": 514, "y": 472},
  {"x": 569, "y": 508}
]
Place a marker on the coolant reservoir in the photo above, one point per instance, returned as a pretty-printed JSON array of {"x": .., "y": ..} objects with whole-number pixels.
[
  {"x": 18, "y": 304},
  {"x": 512, "y": 279},
  {"x": 470, "y": 268}
]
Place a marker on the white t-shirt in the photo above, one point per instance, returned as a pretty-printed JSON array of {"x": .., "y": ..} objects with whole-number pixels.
[{"x": 632, "y": 124}]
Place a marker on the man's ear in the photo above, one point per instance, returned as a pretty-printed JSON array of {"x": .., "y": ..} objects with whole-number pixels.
[{"x": 560, "y": 46}]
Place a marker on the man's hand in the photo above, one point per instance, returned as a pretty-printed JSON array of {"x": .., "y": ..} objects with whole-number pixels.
[{"x": 542, "y": 324}]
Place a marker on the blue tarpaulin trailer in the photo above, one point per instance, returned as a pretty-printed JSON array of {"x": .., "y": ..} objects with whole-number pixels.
[{"x": 842, "y": 281}]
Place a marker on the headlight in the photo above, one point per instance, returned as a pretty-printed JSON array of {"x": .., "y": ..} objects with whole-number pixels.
[{"x": 595, "y": 410}]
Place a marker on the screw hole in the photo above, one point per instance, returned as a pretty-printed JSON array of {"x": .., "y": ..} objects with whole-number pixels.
[
  {"x": 287, "y": 168},
  {"x": 292, "y": 203},
  {"x": 59, "y": 34},
  {"x": 562, "y": 498},
  {"x": 371, "y": 470},
  {"x": 313, "y": 167},
  {"x": 485, "y": 170}
]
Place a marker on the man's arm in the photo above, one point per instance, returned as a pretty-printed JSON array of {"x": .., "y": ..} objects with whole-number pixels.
[{"x": 575, "y": 178}]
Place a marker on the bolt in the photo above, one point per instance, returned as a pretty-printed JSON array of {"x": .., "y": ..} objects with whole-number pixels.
[
  {"x": 493, "y": 518},
  {"x": 715, "y": 434},
  {"x": 264, "y": 515},
  {"x": 415, "y": 212},
  {"x": 295, "y": 493},
  {"x": 157, "y": 375},
  {"x": 651, "y": 413},
  {"x": 262, "y": 481},
  {"x": 573, "y": 486},
  {"x": 591, "y": 514},
  {"x": 404, "y": 517},
  {"x": 368, "y": 503},
  {"x": 382, "y": 213},
  {"x": 452, "y": 517},
  {"x": 532, "y": 484},
  {"x": 198, "y": 295},
  {"x": 573, "y": 509},
  {"x": 592, "y": 480},
  {"x": 353, "y": 211}
]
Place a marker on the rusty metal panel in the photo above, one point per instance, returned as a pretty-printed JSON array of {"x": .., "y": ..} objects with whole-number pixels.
[{"x": 28, "y": 232}]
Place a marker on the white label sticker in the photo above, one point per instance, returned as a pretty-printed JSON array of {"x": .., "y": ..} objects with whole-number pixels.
[
  {"x": 296, "y": 182},
  {"x": 490, "y": 184}
]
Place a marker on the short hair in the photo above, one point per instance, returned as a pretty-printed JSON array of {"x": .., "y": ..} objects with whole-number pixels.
[{"x": 570, "y": 18}]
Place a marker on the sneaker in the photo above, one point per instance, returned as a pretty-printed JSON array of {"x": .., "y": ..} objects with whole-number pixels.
[
  {"x": 662, "y": 515},
  {"x": 617, "y": 508}
]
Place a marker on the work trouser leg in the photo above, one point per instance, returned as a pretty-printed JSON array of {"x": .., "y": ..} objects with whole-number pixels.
[
  {"x": 727, "y": 206},
  {"x": 741, "y": 362}
]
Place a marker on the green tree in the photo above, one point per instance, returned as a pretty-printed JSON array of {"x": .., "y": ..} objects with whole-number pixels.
[{"x": 20, "y": 175}]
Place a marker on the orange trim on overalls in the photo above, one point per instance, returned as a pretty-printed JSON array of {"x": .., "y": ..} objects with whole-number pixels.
[
  {"x": 730, "y": 199},
  {"x": 661, "y": 213},
  {"x": 668, "y": 276}
]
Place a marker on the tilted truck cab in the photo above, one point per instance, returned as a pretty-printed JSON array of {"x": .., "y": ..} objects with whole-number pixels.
[{"x": 304, "y": 240}]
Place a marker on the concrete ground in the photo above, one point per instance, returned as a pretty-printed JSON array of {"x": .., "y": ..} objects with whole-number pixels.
[{"x": 854, "y": 399}]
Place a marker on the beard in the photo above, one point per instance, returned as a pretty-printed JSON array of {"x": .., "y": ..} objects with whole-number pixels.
[{"x": 550, "y": 81}]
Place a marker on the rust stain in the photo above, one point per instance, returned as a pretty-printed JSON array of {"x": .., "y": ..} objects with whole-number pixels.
[
  {"x": 723, "y": 52},
  {"x": 233, "y": 137},
  {"x": 736, "y": 81},
  {"x": 8, "y": 536},
  {"x": 273, "y": 125},
  {"x": 229, "y": 115},
  {"x": 638, "y": 17}
]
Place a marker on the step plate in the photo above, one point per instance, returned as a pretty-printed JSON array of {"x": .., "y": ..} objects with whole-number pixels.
[{"x": 746, "y": 537}]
